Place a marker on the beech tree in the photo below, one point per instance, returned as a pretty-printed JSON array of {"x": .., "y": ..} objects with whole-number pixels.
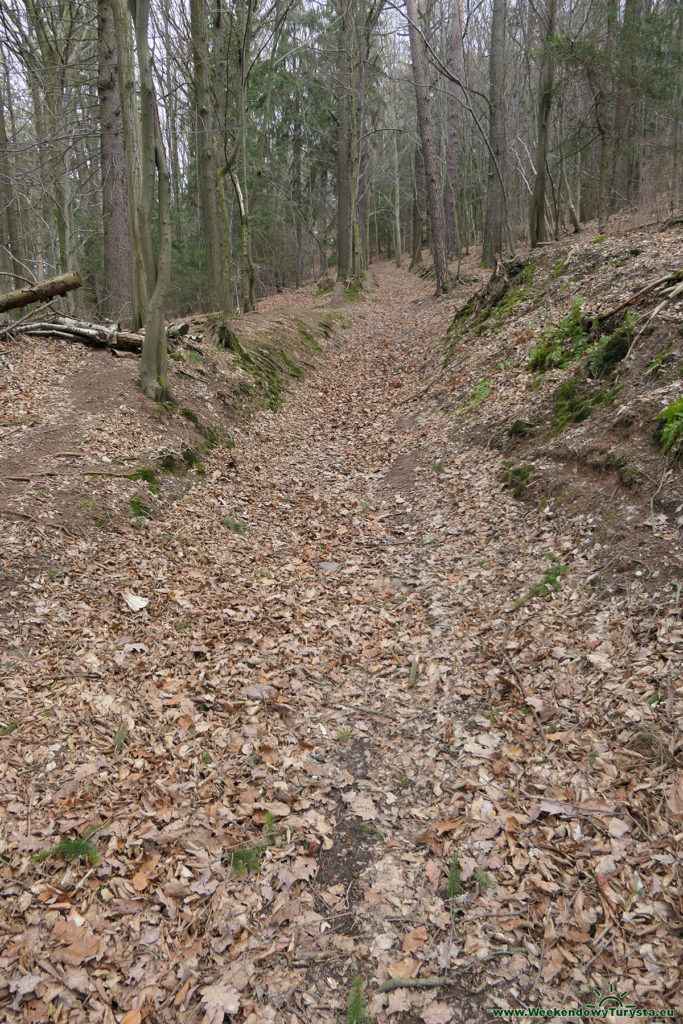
[
  {"x": 117, "y": 279},
  {"x": 495, "y": 194},
  {"x": 438, "y": 231}
]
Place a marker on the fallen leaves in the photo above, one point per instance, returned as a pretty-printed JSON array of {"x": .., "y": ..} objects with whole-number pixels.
[{"x": 324, "y": 704}]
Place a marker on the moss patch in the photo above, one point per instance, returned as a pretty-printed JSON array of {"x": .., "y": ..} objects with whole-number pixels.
[
  {"x": 148, "y": 475},
  {"x": 140, "y": 508},
  {"x": 576, "y": 399},
  {"x": 516, "y": 478}
]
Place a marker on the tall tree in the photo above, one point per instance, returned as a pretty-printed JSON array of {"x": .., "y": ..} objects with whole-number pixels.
[
  {"x": 212, "y": 225},
  {"x": 117, "y": 294},
  {"x": 537, "y": 222},
  {"x": 140, "y": 242},
  {"x": 453, "y": 127},
  {"x": 495, "y": 189},
  {"x": 148, "y": 186},
  {"x": 9, "y": 213},
  {"x": 436, "y": 217}
]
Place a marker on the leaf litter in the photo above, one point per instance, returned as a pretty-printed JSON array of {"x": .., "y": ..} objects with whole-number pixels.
[{"x": 352, "y": 705}]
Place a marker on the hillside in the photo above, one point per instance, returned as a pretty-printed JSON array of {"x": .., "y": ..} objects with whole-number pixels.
[{"x": 374, "y": 671}]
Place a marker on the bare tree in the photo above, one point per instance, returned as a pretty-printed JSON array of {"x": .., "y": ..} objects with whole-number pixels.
[
  {"x": 495, "y": 191},
  {"x": 537, "y": 222},
  {"x": 117, "y": 285},
  {"x": 431, "y": 175},
  {"x": 148, "y": 168}
]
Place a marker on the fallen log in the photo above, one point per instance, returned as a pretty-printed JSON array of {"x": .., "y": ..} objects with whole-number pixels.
[{"x": 40, "y": 292}]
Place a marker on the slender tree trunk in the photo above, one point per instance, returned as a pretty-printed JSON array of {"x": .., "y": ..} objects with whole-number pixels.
[
  {"x": 397, "y": 205},
  {"x": 537, "y": 224},
  {"x": 416, "y": 257},
  {"x": 424, "y": 124},
  {"x": 343, "y": 189},
  {"x": 626, "y": 171},
  {"x": 495, "y": 195},
  {"x": 117, "y": 295},
  {"x": 153, "y": 372},
  {"x": 453, "y": 128},
  {"x": 297, "y": 146},
  {"x": 9, "y": 202},
  {"x": 206, "y": 164},
  {"x": 133, "y": 148},
  {"x": 240, "y": 180},
  {"x": 677, "y": 176}
]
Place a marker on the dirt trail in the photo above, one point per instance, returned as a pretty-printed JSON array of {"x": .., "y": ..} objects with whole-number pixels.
[{"x": 330, "y": 700}]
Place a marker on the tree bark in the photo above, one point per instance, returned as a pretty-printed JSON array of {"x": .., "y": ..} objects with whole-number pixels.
[
  {"x": 133, "y": 149},
  {"x": 626, "y": 174},
  {"x": 424, "y": 124},
  {"x": 153, "y": 371},
  {"x": 40, "y": 292},
  {"x": 398, "y": 248},
  {"x": 343, "y": 168},
  {"x": 9, "y": 201},
  {"x": 453, "y": 126},
  {"x": 416, "y": 239},
  {"x": 206, "y": 164},
  {"x": 677, "y": 177},
  {"x": 495, "y": 195},
  {"x": 537, "y": 222},
  {"x": 117, "y": 294}
]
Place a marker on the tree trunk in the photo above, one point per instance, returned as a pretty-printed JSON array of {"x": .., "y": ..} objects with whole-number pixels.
[
  {"x": 677, "y": 177},
  {"x": 206, "y": 164},
  {"x": 117, "y": 295},
  {"x": 133, "y": 150},
  {"x": 453, "y": 126},
  {"x": 153, "y": 372},
  {"x": 9, "y": 201},
  {"x": 416, "y": 256},
  {"x": 297, "y": 145},
  {"x": 40, "y": 292},
  {"x": 397, "y": 205},
  {"x": 244, "y": 14},
  {"x": 626, "y": 174},
  {"x": 343, "y": 170},
  {"x": 537, "y": 223},
  {"x": 425, "y": 128},
  {"x": 495, "y": 195}
]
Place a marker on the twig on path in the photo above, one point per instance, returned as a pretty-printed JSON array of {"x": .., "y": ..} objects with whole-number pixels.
[
  {"x": 419, "y": 394},
  {"x": 359, "y": 707},
  {"x": 392, "y": 983}
]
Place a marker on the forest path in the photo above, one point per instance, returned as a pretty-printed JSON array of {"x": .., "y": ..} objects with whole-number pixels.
[{"x": 321, "y": 703}]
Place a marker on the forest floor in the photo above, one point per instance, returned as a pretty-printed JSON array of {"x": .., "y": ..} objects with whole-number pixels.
[{"x": 338, "y": 699}]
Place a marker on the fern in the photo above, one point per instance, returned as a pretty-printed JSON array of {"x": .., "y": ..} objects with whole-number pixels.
[{"x": 670, "y": 429}]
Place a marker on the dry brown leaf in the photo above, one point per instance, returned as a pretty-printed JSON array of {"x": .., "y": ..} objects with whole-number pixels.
[
  {"x": 406, "y": 968},
  {"x": 437, "y": 1013},
  {"x": 552, "y": 964},
  {"x": 132, "y": 1017},
  {"x": 415, "y": 939},
  {"x": 219, "y": 999},
  {"x": 674, "y": 797}
]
